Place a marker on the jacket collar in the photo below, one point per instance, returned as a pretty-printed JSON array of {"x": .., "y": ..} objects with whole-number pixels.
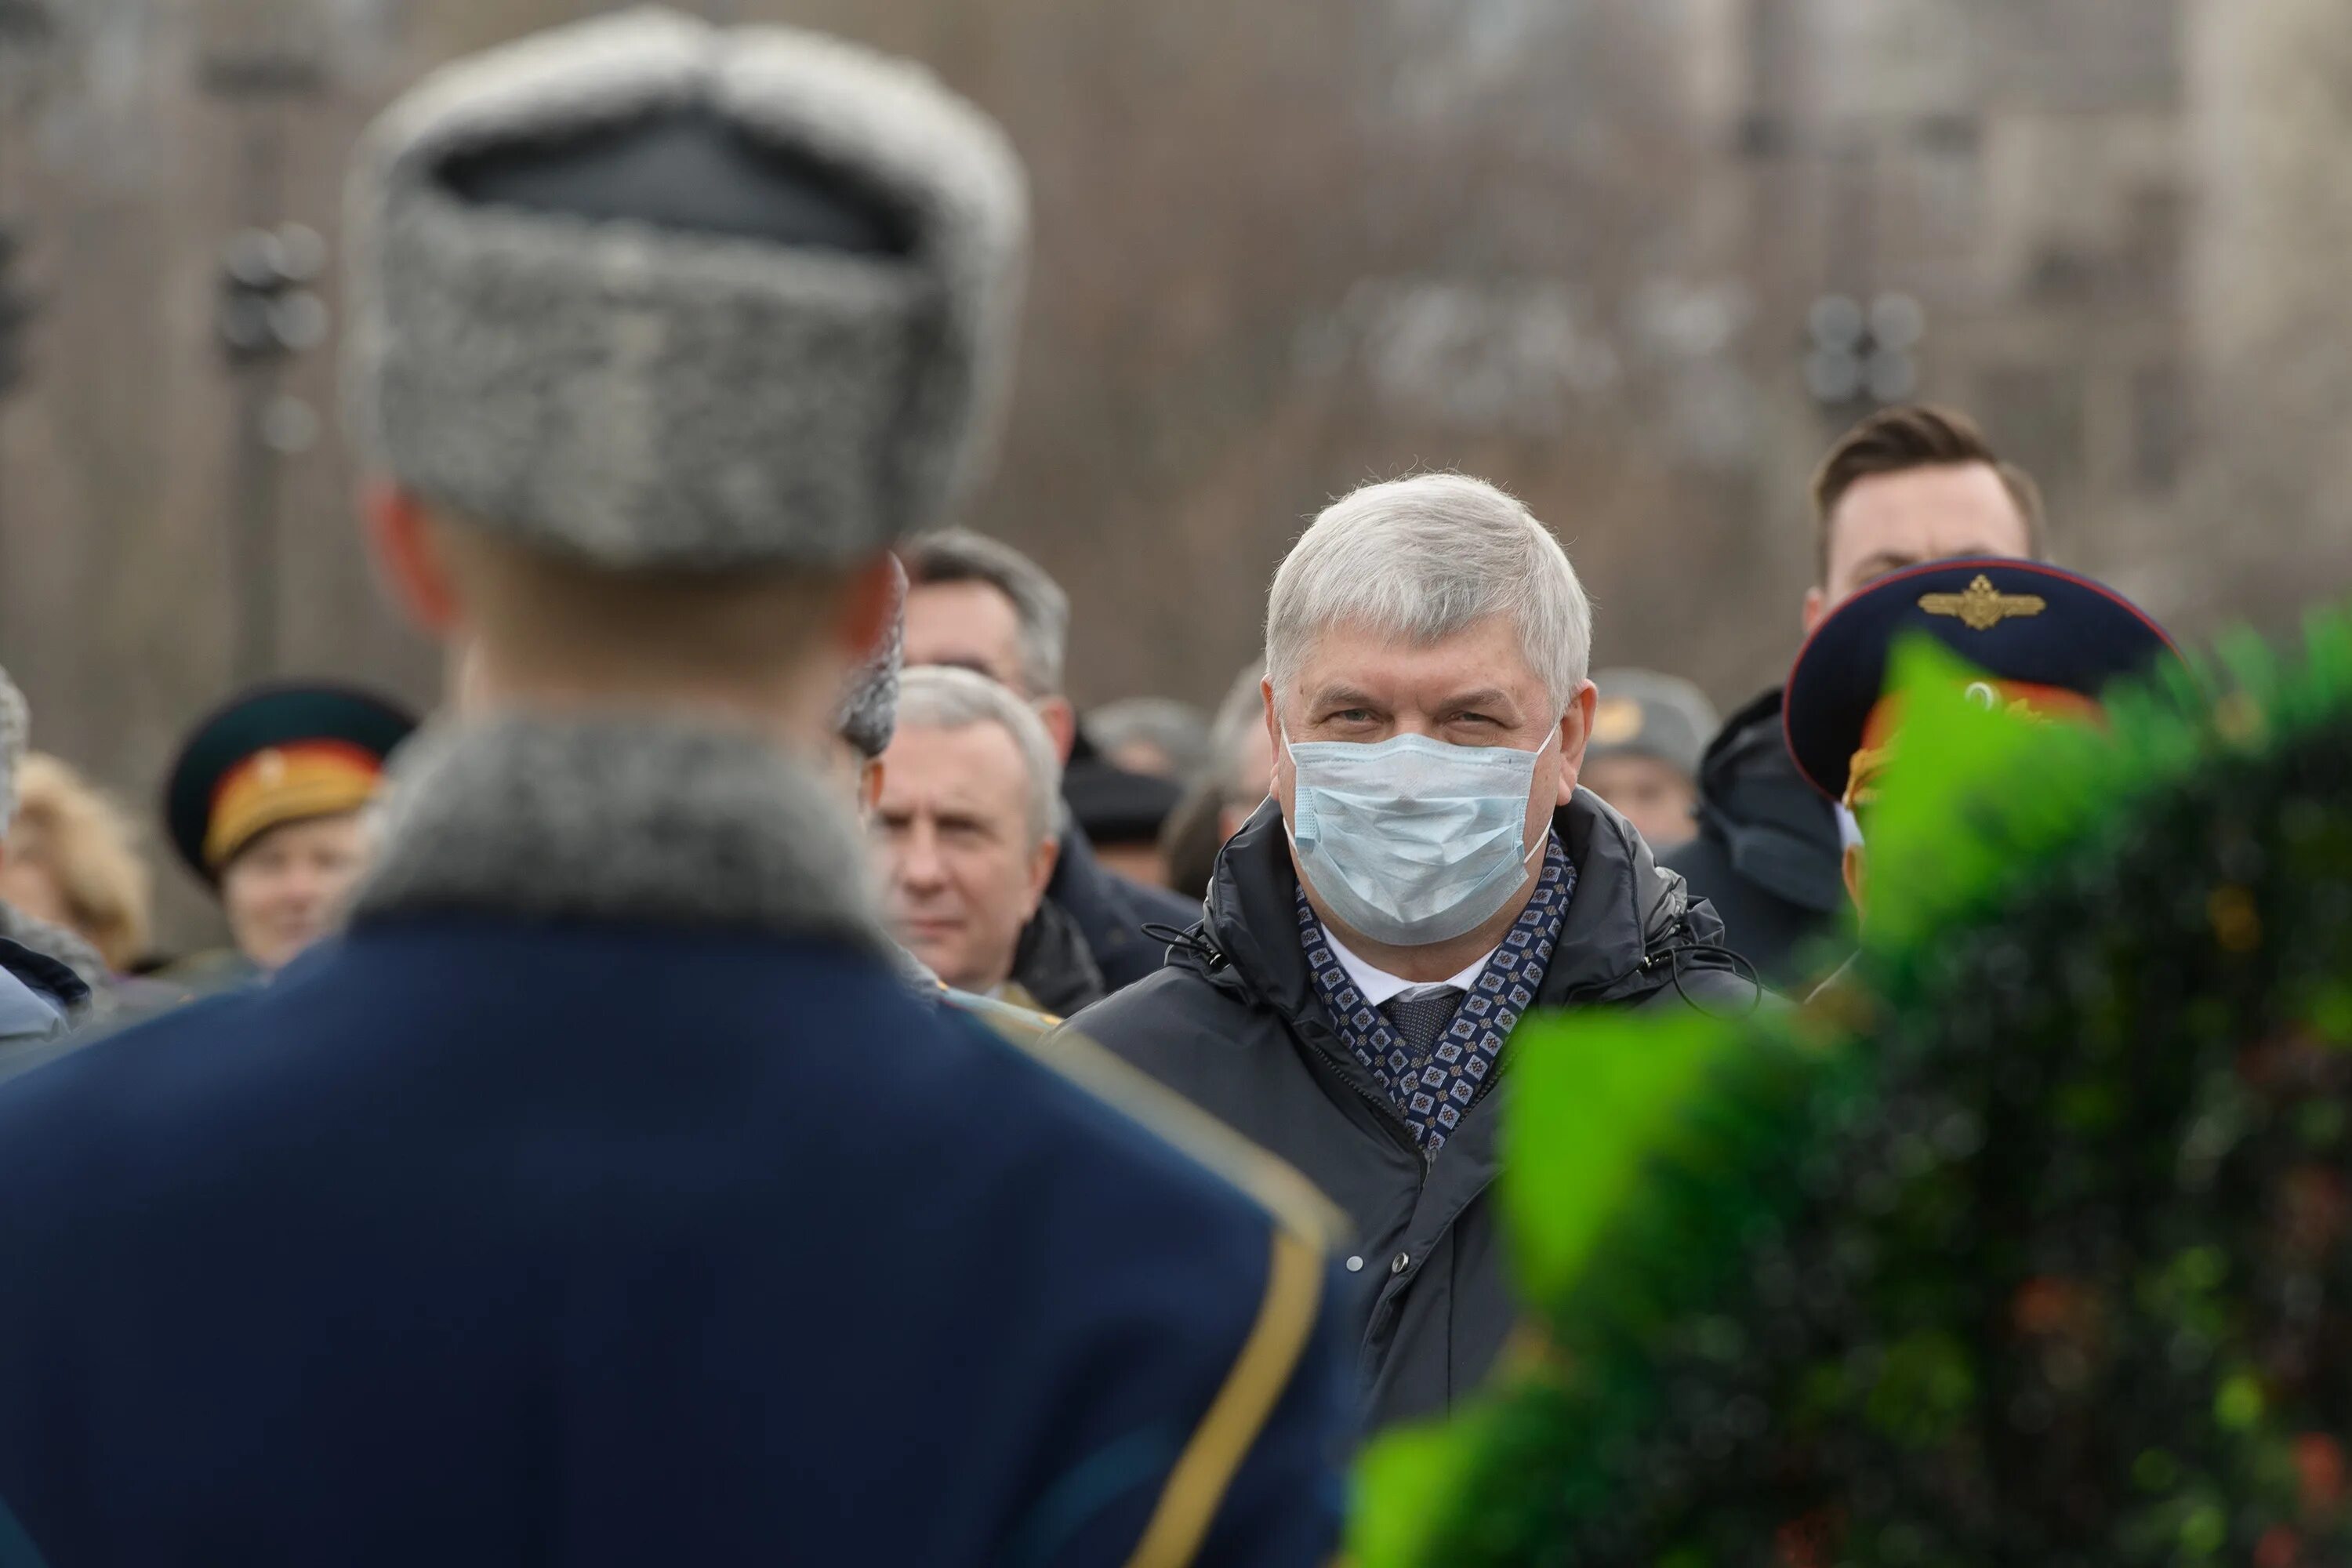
[
  {"x": 1776, "y": 828},
  {"x": 1627, "y": 908},
  {"x": 630, "y": 818},
  {"x": 1053, "y": 965}
]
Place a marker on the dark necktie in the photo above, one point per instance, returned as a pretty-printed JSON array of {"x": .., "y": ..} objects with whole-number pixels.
[{"x": 1418, "y": 1017}]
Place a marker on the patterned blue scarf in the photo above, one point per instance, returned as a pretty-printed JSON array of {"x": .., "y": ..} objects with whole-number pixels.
[{"x": 1433, "y": 1091}]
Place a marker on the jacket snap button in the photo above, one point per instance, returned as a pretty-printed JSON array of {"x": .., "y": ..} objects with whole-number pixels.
[
  {"x": 1355, "y": 1266},
  {"x": 1402, "y": 1258}
]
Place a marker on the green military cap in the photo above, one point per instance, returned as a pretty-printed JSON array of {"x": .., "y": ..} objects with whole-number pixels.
[{"x": 273, "y": 755}]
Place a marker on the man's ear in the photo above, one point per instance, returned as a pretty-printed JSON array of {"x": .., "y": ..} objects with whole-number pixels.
[
  {"x": 1817, "y": 604},
  {"x": 1042, "y": 861},
  {"x": 869, "y": 789},
  {"x": 1061, "y": 723},
  {"x": 401, "y": 539},
  {"x": 1856, "y": 867},
  {"x": 1277, "y": 743},
  {"x": 1575, "y": 734}
]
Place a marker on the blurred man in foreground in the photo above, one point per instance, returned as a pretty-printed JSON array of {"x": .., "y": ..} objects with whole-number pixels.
[
  {"x": 1907, "y": 486},
  {"x": 603, "y": 1195},
  {"x": 970, "y": 798},
  {"x": 1427, "y": 873},
  {"x": 1647, "y": 732},
  {"x": 978, "y": 603}
]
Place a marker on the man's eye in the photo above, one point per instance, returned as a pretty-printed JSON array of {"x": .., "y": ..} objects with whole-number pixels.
[{"x": 1352, "y": 716}]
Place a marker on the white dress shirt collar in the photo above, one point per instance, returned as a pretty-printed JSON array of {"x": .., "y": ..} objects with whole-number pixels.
[{"x": 1379, "y": 986}]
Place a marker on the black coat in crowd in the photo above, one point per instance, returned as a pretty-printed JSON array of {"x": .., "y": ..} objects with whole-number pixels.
[
  {"x": 1052, "y": 972},
  {"x": 1111, "y": 912},
  {"x": 1234, "y": 1023},
  {"x": 1768, "y": 855}
]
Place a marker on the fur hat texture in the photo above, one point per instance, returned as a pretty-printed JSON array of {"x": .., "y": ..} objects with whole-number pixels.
[{"x": 647, "y": 397}]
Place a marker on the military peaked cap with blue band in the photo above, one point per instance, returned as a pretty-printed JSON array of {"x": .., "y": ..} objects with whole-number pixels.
[
  {"x": 2018, "y": 622},
  {"x": 273, "y": 755},
  {"x": 662, "y": 296}
]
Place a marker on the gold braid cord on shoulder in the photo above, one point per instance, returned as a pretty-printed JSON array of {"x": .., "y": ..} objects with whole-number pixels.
[
  {"x": 1274, "y": 1187},
  {"x": 1196, "y": 1486}
]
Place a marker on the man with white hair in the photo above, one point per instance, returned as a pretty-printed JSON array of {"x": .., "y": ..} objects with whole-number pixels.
[
  {"x": 970, "y": 798},
  {"x": 1426, "y": 872}
]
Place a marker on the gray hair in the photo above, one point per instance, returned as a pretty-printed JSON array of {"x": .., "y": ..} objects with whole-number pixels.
[
  {"x": 1179, "y": 729},
  {"x": 940, "y": 696},
  {"x": 1425, "y": 558},
  {"x": 1243, "y": 710},
  {"x": 1042, "y": 610}
]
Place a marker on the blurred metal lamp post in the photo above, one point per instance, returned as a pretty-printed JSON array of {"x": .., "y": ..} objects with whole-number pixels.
[
  {"x": 264, "y": 58},
  {"x": 1863, "y": 358}
]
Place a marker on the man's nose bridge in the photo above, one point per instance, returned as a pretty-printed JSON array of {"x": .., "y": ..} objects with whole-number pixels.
[{"x": 918, "y": 859}]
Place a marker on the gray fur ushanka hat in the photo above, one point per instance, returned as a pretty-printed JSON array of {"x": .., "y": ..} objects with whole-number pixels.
[{"x": 647, "y": 395}]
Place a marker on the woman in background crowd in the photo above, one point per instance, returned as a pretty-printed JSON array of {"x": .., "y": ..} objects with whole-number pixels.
[
  {"x": 73, "y": 860},
  {"x": 265, "y": 805}
]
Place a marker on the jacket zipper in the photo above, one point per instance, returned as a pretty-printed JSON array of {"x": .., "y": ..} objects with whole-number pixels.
[{"x": 1384, "y": 1111}]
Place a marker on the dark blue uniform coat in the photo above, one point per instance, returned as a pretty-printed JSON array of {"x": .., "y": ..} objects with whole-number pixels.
[{"x": 487, "y": 1240}]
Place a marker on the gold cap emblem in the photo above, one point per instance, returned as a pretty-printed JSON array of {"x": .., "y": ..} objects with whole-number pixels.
[{"x": 1982, "y": 606}]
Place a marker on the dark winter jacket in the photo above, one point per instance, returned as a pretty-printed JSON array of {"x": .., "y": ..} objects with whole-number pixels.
[
  {"x": 1767, "y": 855},
  {"x": 1052, "y": 969},
  {"x": 1111, "y": 912},
  {"x": 1234, "y": 1023}
]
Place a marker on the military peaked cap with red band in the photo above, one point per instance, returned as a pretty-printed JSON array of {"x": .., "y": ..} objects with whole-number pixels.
[
  {"x": 2047, "y": 641},
  {"x": 273, "y": 755}
]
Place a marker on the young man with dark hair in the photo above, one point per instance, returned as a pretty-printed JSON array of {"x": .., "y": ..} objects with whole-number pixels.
[{"x": 1907, "y": 486}]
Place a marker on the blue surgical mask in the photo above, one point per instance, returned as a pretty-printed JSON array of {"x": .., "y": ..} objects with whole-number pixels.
[{"x": 1413, "y": 841}]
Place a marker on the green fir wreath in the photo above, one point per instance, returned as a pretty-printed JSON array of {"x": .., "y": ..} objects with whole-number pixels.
[{"x": 2029, "y": 1245}]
